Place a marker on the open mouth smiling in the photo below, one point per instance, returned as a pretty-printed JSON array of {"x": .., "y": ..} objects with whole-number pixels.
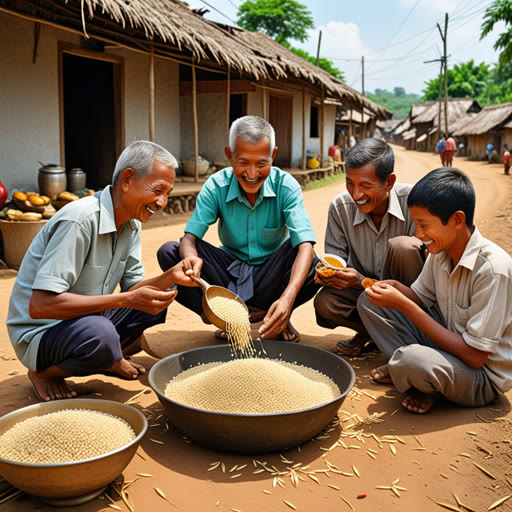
[
  {"x": 150, "y": 210},
  {"x": 255, "y": 180}
]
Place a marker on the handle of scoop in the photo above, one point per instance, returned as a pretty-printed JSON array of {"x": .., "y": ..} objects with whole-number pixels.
[{"x": 201, "y": 282}]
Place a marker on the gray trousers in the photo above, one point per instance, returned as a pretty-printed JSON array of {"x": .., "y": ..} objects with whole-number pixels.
[
  {"x": 403, "y": 261},
  {"x": 415, "y": 361}
]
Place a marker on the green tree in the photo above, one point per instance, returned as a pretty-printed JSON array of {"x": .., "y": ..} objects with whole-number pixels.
[
  {"x": 399, "y": 104},
  {"x": 499, "y": 10},
  {"x": 280, "y": 19},
  {"x": 465, "y": 80},
  {"x": 399, "y": 91}
]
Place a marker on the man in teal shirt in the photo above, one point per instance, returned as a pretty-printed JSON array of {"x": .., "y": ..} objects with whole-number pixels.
[{"x": 267, "y": 255}]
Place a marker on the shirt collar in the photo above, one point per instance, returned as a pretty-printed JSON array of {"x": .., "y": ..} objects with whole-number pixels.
[
  {"x": 107, "y": 218},
  {"x": 470, "y": 254},
  {"x": 235, "y": 191},
  {"x": 394, "y": 209}
]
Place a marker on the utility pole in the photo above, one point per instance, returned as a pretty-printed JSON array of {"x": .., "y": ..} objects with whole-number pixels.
[
  {"x": 444, "y": 66},
  {"x": 445, "y": 61},
  {"x": 362, "y": 92},
  {"x": 318, "y": 48}
]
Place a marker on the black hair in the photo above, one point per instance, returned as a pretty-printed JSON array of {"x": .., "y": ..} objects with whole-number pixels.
[
  {"x": 443, "y": 192},
  {"x": 372, "y": 151}
]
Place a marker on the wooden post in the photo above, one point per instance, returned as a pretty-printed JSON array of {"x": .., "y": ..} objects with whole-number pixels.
[
  {"x": 152, "y": 94},
  {"x": 196, "y": 129},
  {"x": 303, "y": 127},
  {"x": 322, "y": 161},
  {"x": 228, "y": 102},
  {"x": 362, "y": 133},
  {"x": 350, "y": 127}
]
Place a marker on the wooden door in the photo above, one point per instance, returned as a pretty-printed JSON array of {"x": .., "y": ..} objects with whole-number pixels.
[{"x": 280, "y": 117}]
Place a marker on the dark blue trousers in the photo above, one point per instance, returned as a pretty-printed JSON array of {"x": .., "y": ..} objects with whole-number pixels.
[
  {"x": 92, "y": 344},
  {"x": 270, "y": 279}
]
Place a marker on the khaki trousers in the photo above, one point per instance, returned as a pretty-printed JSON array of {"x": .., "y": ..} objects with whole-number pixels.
[{"x": 403, "y": 261}]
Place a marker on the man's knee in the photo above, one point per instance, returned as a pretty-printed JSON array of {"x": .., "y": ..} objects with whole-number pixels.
[
  {"x": 403, "y": 246},
  {"x": 168, "y": 255},
  {"x": 415, "y": 359}
]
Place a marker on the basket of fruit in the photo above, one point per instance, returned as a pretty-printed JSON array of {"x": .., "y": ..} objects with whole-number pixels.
[{"x": 22, "y": 218}]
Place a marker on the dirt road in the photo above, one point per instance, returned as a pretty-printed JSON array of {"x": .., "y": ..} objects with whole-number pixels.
[{"x": 433, "y": 455}]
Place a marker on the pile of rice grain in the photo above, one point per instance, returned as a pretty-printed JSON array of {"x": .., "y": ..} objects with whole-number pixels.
[
  {"x": 251, "y": 386},
  {"x": 65, "y": 436}
]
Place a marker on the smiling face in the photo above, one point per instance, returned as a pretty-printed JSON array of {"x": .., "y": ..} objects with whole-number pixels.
[
  {"x": 369, "y": 193},
  {"x": 433, "y": 233},
  {"x": 251, "y": 164},
  {"x": 144, "y": 197}
]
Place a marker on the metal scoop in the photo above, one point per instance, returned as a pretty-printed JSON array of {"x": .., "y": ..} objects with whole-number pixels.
[{"x": 210, "y": 291}]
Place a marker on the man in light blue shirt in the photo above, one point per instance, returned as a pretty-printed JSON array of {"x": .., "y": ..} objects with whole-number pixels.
[
  {"x": 267, "y": 255},
  {"x": 64, "y": 318}
]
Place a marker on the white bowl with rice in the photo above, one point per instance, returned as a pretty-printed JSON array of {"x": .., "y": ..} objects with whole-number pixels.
[{"x": 54, "y": 473}]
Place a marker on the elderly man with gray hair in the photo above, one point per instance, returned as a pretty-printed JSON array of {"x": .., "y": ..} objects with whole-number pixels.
[
  {"x": 267, "y": 255},
  {"x": 64, "y": 318}
]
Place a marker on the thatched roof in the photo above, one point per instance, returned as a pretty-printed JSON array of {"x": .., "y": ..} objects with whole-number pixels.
[
  {"x": 403, "y": 127},
  {"x": 179, "y": 33},
  {"x": 491, "y": 118},
  {"x": 418, "y": 109},
  {"x": 357, "y": 117}
]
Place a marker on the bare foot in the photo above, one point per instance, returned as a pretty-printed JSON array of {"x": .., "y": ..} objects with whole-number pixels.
[
  {"x": 419, "y": 402},
  {"x": 127, "y": 369},
  {"x": 48, "y": 387},
  {"x": 381, "y": 375}
]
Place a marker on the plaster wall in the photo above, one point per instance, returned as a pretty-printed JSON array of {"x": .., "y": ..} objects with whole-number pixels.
[{"x": 29, "y": 100}]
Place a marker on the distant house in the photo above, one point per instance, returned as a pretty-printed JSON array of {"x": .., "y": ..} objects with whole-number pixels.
[
  {"x": 83, "y": 78},
  {"x": 424, "y": 118},
  {"x": 492, "y": 124}
]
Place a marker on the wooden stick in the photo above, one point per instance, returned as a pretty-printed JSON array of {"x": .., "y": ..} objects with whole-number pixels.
[
  {"x": 322, "y": 162},
  {"x": 228, "y": 102},
  {"x": 152, "y": 94},
  {"x": 37, "y": 31},
  {"x": 303, "y": 127},
  {"x": 196, "y": 130}
]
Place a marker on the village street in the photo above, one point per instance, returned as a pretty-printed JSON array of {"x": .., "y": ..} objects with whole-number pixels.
[{"x": 433, "y": 456}]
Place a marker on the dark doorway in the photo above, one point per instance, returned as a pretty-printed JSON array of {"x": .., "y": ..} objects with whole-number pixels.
[
  {"x": 280, "y": 117},
  {"x": 90, "y": 117},
  {"x": 237, "y": 107}
]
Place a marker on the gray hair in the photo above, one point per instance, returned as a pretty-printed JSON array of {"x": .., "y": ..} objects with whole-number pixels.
[
  {"x": 139, "y": 156},
  {"x": 252, "y": 129}
]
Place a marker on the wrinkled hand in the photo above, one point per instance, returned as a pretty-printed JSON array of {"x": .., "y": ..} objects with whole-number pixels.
[
  {"x": 184, "y": 269},
  {"x": 276, "y": 319},
  {"x": 385, "y": 295},
  {"x": 151, "y": 299},
  {"x": 343, "y": 278}
]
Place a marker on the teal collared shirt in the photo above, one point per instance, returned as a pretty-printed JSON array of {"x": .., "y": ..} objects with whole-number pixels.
[
  {"x": 252, "y": 233},
  {"x": 77, "y": 251}
]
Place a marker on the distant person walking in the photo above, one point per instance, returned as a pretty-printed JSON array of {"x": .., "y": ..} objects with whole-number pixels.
[
  {"x": 441, "y": 147},
  {"x": 450, "y": 148},
  {"x": 506, "y": 160},
  {"x": 488, "y": 150}
]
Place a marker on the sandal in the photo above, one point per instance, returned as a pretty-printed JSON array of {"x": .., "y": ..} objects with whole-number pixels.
[
  {"x": 352, "y": 347},
  {"x": 290, "y": 334}
]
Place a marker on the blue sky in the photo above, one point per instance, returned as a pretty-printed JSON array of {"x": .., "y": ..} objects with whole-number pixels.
[{"x": 395, "y": 37}]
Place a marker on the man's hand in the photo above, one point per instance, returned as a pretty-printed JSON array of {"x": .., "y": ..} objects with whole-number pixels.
[
  {"x": 151, "y": 299},
  {"x": 385, "y": 295},
  {"x": 184, "y": 269},
  {"x": 343, "y": 278},
  {"x": 276, "y": 319}
]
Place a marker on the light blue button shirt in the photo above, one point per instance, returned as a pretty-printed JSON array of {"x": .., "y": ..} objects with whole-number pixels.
[
  {"x": 77, "y": 251},
  {"x": 252, "y": 233}
]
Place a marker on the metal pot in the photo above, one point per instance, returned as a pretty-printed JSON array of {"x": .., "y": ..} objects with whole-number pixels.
[
  {"x": 52, "y": 180},
  {"x": 252, "y": 433},
  {"x": 76, "y": 179}
]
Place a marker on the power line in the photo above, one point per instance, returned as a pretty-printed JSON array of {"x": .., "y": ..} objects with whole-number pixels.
[{"x": 220, "y": 12}]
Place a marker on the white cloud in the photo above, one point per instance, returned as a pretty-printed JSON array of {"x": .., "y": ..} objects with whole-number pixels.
[{"x": 436, "y": 6}]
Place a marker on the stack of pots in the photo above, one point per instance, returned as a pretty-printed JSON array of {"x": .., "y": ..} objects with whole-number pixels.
[{"x": 52, "y": 180}]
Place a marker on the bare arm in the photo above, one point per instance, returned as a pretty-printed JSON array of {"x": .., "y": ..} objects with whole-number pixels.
[
  {"x": 279, "y": 313},
  {"x": 385, "y": 295},
  {"x": 147, "y": 295}
]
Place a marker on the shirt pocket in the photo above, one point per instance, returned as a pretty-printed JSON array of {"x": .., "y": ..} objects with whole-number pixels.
[
  {"x": 90, "y": 281},
  {"x": 274, "y": 234},
  {"x": 460, "y": 318}
]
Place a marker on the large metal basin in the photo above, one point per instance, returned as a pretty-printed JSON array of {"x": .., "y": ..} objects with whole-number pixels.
[
  {"x": 71, "y": 483},
  {"x": 248, "y": 433}
]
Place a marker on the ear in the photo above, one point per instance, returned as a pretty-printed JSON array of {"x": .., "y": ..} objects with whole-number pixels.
[
  {"x": 127, "y": 177},
  {"x": 274, "y": 153},
  {"x": 390, "y": 181},
  {"x": 458, "y": 218},
  {"x": 229, "y": 155}
]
